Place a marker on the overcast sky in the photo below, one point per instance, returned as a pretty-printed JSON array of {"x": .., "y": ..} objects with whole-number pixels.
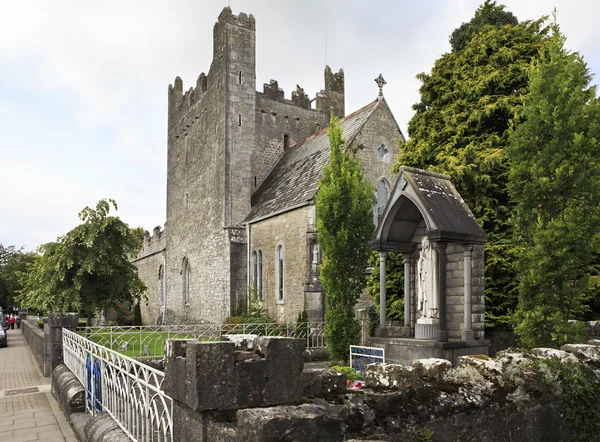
[{"x": 83, "y": 85}]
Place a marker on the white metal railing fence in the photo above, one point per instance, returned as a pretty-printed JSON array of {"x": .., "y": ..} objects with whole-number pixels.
[
  {"x": 361, "y": 356},
  {"x": 128, "y": 390},
  {"x": 149, "y": 340}
]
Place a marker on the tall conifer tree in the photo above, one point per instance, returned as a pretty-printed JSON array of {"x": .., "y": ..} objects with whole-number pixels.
[
  {"x": 345, "y": 225},
  {"x": 555, "y": 184},
  {"x": 461, "y": 124}
]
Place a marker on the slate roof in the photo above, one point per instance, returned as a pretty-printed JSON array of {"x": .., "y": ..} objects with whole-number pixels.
[
  {"x": 446, "y": 214},
  {"x": 449, "y": 212},
  {"x": 293, "y": 182}
]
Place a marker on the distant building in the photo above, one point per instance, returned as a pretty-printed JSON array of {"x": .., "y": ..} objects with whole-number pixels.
[{"x": 242, "y": 173}]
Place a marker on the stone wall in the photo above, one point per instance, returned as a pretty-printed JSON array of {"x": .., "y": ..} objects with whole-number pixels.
[
  {"x": 289, "y": 230},
  {"x": 455, "y": 290},
  {"x": 380, "y": 129},
  {"x": 151, "y": 265},
  {"x": 275, "y": 118},
  {"x": 35, "y": 339},
  {"x": 482, "y": 399}
]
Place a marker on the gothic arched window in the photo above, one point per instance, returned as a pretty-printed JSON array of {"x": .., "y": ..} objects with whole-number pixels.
[
  {"x": 280, "y": 284},
  {"x": 383, "y": 194},
  {"x": 259, "y": 275},
  {"x": 186, "y": 272}
]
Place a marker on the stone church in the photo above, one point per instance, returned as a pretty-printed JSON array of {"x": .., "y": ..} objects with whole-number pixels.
[{"x": 242, "y": 174}]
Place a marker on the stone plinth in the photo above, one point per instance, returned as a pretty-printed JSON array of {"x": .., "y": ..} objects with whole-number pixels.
[
  {"x": 406, "y": 350},
  {"x": 426, "y": 329}
]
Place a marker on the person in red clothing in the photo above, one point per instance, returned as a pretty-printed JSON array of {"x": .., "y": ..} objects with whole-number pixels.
[{"x": 12, "y": 321}]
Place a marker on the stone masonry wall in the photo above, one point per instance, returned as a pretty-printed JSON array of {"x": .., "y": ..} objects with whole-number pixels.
[
  {"x": 288, "y": 229},
  {"x": 455, "y": 290},
  {"x": 149, "y": 262},
  {"x": 379, "y": 129},
  {"x": 274, "y": 119}
]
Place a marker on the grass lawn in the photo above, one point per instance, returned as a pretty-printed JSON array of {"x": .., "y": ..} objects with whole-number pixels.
[{"x": 133, "y": 343}]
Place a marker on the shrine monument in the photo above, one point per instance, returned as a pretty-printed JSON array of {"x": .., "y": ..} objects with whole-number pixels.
[{"x": 427, "y": 221}]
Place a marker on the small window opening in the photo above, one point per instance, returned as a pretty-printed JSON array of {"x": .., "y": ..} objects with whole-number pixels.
[
  {"x": 240, "y": 77},
  {"x": 286, "y": 142},
  {"x": 254, "y": 180},
  {"x": 240, "y": 119}
]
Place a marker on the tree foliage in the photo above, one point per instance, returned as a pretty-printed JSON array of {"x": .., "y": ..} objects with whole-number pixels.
[
  {"x": 461, "y": 124},
  {"x": 88, "y": 268},
  {"x": 394, "y": 285},
  {"x": 555, "y": 183},
  {"x": 488, "y": 14},
  {"x": 345, "y": 225},
  {"x": 13, "y": 262}
]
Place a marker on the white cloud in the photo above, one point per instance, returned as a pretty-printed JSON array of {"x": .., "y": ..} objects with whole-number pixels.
[{"x": 83, "y": 85}]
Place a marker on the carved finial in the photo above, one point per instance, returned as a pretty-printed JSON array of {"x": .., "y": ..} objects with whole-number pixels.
[{"x": 380, "y": 82}]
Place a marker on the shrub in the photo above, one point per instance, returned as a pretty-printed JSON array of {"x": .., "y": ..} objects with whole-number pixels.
[{"x": 137, "y": 315}]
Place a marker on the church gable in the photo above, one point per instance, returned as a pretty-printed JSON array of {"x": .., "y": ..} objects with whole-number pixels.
[{"x": 293, "y": 182}]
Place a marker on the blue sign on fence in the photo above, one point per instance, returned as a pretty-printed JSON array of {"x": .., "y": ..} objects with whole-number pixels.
[
  {"x": 93, "y": 369},
  {"x": 360, "y": 357}
]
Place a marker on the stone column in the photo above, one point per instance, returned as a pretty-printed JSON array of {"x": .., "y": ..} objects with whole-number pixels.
[
  {"x": 441, "y": 264},
  {"x": 407, "y": 306},
  {"x": 53, "y": 338},
  {"x": 467, "y": 332},
  {"x": 382, "y": 288}
]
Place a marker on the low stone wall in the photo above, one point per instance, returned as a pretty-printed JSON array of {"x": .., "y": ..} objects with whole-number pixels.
[
  {"x": 220, "y": 395},
  {"x": 35, "y": 338},
  {"x": 68, "y": 391}
]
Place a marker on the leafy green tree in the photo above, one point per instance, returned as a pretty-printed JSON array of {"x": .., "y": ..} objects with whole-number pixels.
[
  {"x": 394, "y": 285},
  {"x": 555, "y": 183},
  {"x": 13, "y": 262},
  {"x": 87, "y": 269},
  {"x": 345, "y": 225},
  {"x": 461, "y": 124}
]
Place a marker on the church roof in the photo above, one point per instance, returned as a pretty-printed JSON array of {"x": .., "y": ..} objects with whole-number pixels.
[
  {"x": 293, "y": 182},
  {"x": 420, "y": 194}
]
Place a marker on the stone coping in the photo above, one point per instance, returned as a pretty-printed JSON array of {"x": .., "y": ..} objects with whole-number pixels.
[{"x": 428, "y": 343}]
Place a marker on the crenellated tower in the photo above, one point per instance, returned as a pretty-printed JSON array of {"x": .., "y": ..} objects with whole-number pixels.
[{"x": 223, "y": 139}]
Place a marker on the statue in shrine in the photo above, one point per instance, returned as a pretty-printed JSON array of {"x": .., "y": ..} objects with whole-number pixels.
[
  {"x": 426, "y": 297},
  {"x": 315, "y": 256}
]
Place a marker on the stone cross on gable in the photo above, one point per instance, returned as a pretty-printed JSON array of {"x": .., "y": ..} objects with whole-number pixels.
[{"x": 380, "y": 82}]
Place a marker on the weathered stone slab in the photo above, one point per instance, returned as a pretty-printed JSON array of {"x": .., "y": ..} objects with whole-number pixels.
[
  {"x": 285, "y": 361},
  {"x": 554, "y": 353},
  {"x": 431, "y": 369},
  {"x": 389, "y": 376},
  {"x": 210, "y": 371},
  {"x": 582, "y": 351},
  {"x": 323, "y": 383},
  {"x": 307, "y": 422}
]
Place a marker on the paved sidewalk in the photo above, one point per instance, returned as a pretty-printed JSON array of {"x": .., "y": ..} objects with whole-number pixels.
[{"x": 28, "y": 411}]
